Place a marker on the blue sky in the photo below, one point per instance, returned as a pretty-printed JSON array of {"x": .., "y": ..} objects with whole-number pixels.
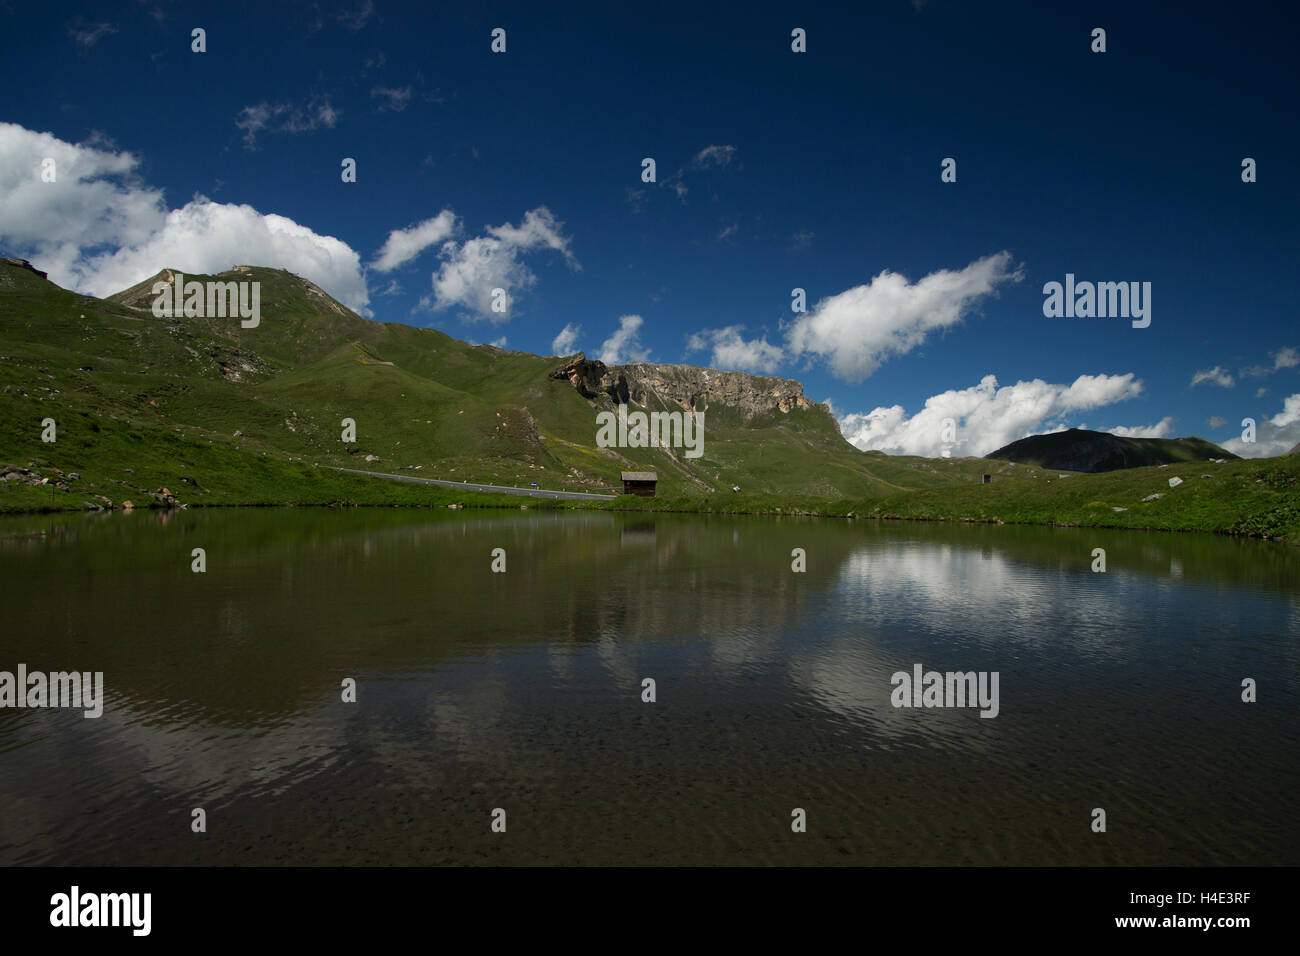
[{"x": 775, "y": 170}]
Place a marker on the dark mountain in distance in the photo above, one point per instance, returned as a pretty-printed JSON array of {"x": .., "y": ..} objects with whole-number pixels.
[{"x": 1078, "y": 449}]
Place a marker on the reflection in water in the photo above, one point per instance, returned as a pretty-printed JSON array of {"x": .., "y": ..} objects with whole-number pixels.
[{"x": 522, "y": 690}]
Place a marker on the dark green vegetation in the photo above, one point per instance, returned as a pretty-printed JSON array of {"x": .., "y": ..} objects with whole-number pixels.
[
  {"x": 1077, "y": 449},
  {"x": 220, "y": 415}
]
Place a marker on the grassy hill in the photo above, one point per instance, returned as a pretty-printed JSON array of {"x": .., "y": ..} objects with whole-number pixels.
[
  {"x": 1077, "y": 449},
  {"x": 219, "y": 414},
  {"x": 216, "y": 414}
]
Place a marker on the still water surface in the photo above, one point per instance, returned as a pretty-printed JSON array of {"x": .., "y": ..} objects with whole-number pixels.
[{"x": 523, "y": 691}]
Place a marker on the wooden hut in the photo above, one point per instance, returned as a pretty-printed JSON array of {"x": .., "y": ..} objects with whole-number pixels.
[{"x": 641, "y": 483}]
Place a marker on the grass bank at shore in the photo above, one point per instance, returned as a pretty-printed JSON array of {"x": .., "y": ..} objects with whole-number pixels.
[{"x": 1258, "y": 498}]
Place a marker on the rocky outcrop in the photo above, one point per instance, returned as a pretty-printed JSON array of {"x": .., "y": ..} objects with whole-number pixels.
[
  {"x": 30, "y": 476},
  {"x": 56, "y": 479},
  {"x": 693, "y": 387},
  {"x": 686, "y": 386},
  {"x": 23, "y": 264},
  {"x": 314, "y": 293},
  {"x": 593, "y": 379}
]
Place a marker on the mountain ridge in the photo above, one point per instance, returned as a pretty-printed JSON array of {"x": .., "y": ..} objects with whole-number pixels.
[
  {"x": 1090, "y": 452},
  {"x": 420, "y": 399},
  {"x": 176, "y": 411}
]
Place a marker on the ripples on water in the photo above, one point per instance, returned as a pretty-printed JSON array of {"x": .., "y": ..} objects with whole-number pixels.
[{"x": 523, "y": 691}]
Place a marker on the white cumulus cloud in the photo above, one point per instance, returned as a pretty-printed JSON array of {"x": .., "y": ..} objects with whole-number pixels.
[
  {"x": 98, "y": 228},
  {"x": 205, "y": 236},
  {"x": 1290, "y": 413},
  {"x": 472, "y": 269},
  {"x": 858, "y": 329},
  {"x": 624, "y": 345},
  {"x": 1273, "y": 436},
  {"x": 1160, "y": 429},
  {"x": 732, "y": 351},
  {"x": 403, "y": 245},
  {"x": 1286, "y": 358},
  {"x": 986, "y": 417},
  {"x": 563, "y": 344}
]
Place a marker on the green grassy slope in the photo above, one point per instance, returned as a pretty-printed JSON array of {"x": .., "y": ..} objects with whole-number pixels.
[
  {"x": 181, "y": 400},
  {"x": 218, "y": 414},
  {"x": 1242, "y": 497},
  {"x": 1259, "y": 498}
]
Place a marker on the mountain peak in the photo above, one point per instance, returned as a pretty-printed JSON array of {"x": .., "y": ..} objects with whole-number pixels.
[
  {"x": 141, "y": 295},
  {"x": 1079, "y": 449}
]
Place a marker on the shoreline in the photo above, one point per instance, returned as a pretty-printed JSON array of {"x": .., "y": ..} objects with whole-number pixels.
[
  {"x": 1258, "y": 499},
  {"x": 575, "y": 505}
]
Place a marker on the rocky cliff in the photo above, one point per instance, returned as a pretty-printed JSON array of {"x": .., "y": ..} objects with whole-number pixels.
[
  {"x": 23, "y": 264},
  {"x": 593, "y": 380},
  {"x": 686, "y": 386}
]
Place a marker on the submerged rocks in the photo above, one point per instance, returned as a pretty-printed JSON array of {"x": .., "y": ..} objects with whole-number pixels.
[{"x": 165, "y": 497}]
